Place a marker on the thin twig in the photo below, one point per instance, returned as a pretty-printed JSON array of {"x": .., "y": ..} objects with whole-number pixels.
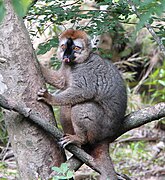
[
  {"x": 70, "y": 4},
  {"x": 149, "y": 27},
  {"x": 153, "y": 62},
  {"x": 133, "y": 139}
]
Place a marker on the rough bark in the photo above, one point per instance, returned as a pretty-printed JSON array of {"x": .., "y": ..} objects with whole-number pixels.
[{"x": 20, "y": 79}]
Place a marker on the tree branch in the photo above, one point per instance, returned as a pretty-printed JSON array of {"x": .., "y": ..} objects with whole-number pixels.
[
  {"x": 143, "y": 116},
  {"x": 71, "y": 4},
  {"x": 149, "y": 27},
  {"x": 55, "y": 132},
  {"x": 131, "y": 121}
]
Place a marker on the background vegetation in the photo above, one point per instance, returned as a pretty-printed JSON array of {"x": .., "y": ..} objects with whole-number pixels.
[{"x": 128, "y": 44}]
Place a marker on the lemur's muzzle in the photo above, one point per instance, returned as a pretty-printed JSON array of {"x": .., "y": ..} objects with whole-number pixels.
[
  {"x": 69, "y": 52},
  {"x": 66, "y": 60}
]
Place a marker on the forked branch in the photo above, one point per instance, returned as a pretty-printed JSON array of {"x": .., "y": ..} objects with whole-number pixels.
[{"x": 131, "y": 121}]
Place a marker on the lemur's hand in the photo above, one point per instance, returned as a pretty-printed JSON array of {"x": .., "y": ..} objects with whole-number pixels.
[{"x": 44, "y": 96}]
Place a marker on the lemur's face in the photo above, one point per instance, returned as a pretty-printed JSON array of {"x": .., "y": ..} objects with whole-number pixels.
[{"x": 73, "y": 49}]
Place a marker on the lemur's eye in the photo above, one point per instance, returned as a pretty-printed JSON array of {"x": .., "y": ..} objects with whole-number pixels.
[
  {"x": 63, "y": 47},
  {"x": 76, "y": 48}
]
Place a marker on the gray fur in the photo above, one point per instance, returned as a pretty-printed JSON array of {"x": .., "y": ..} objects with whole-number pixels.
[{"x": 96, "y": 94}]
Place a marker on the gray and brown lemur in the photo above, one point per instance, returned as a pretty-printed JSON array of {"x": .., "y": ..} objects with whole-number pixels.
[{"x": 93, "y": 95}]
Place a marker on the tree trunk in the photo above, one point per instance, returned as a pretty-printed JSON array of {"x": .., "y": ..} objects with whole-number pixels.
[{"x": 20, "y": 78}]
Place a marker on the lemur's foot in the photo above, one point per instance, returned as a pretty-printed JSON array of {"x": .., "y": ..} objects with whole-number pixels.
[{"x": 68, "y": 139}]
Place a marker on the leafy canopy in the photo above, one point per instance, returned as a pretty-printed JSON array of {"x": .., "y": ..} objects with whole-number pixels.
[
  {"x": 2, "y": 10},
  {"x": 21, "y": 7}
]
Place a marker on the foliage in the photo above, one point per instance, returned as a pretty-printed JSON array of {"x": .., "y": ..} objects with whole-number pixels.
[
  {"x": 149, "y": 11},
  {"x": 138, "y": 158},
  {"x": 63, "y": 172},
  {"x": 8, "y": 172},
  {"x": 65, "y": 14},
  {"x": 3, "y": 131},
  {"x": 44, "y": 47},
  {"x": 2, "y": 10},
  {"x": 156, "y": 84},
  {"x": 51, "y": 17},
  {"x": 21, "y": 6},
  {"x": 55, "y": 16},
  {"x": 59, "y": 16}
]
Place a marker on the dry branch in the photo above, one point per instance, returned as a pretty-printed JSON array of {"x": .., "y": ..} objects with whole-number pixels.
[
  {"x": 149, "y": 27},
  {"x": 131, "y": 121}
]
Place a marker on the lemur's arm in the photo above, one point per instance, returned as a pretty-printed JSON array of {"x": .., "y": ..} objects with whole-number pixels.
[{"x": 53, "y": 77}]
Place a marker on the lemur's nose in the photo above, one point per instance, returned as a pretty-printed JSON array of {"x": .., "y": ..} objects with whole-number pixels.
[{"x": 66, "y": 59}]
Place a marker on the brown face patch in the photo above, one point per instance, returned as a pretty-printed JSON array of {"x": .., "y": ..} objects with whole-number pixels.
[{"x": 74, "y": 34}]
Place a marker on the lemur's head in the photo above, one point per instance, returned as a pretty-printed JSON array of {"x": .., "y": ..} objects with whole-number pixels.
[{"x": 74, "y": 46}]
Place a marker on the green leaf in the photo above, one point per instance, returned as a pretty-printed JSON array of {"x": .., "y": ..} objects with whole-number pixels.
[
  {"x": 21, "y": 6},
  {"x": 61, "y": 177},
  {"x": 161, "y": 82},
  {"x": 143, "y": 19},
  {"x": 64, "y": 167},
  {"x": 2, "y": 10},
  {"x": 54, "y": 178},
  {"x": 155, "y": 74},
  {"x": 70, "y": 174},
  {"x": 56, "y": 169},
  {"x": 43, "y": 48}
]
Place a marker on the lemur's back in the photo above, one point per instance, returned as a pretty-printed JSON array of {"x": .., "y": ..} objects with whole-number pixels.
[
  {"x": 103, "y": 80},
  {"x": 107, "y": 103}
]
